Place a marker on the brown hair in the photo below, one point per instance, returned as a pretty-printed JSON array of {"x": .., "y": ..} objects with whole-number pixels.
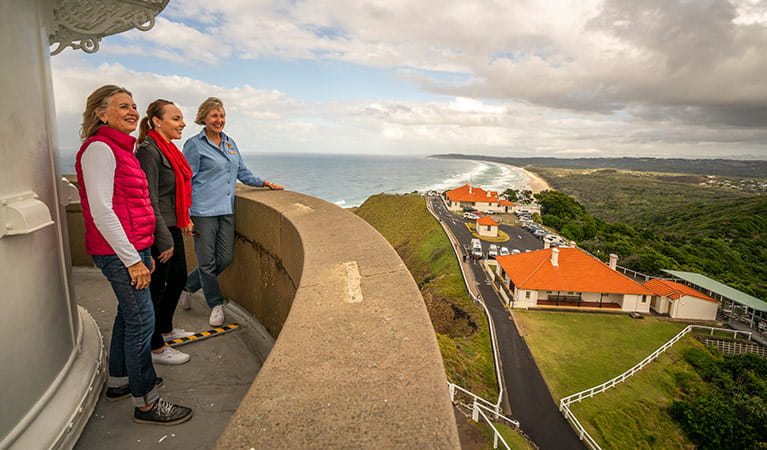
[
  {"x": 155, "y": 109},
  {"x": 207, "y": 106},
  {"x": 95, "y": 105}
]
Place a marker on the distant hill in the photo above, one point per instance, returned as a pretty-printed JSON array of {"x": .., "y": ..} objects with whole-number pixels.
[{"x": 721, "y": 167}]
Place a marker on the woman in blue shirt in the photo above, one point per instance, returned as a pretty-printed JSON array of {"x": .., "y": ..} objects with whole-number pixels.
[{"x": 216, "y": 166}]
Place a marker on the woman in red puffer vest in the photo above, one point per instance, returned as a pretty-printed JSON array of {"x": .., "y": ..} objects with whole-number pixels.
[{"x": 119, "y": 231}]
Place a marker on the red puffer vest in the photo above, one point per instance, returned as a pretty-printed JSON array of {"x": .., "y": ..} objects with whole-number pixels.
[{"x": 130, "y": 200}]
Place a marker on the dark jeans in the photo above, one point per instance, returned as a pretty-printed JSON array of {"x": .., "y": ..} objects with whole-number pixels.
[
  {"x": 214, "y": 246},
  {"x": 168, "y": 280},
  {"x": 129, "y": 353}
]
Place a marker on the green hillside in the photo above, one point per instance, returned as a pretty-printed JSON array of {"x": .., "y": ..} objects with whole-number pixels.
[
  {"x": 720, "y": 235},
  {"x": 461, "y": 327},
  {"x": 635, "y": 198}
]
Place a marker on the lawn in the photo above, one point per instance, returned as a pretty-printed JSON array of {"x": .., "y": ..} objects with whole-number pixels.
[
  {"x": 576, "y": 351},
  {"x": 634, "y": 414}
]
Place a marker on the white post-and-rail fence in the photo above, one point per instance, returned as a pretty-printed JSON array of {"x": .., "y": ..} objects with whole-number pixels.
[
  {"x": 480, "y": 410},
  {"x": 564, "y": 404}
]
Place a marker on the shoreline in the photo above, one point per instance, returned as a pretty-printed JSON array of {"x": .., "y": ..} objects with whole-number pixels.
[{"x": 536, "y": 183}]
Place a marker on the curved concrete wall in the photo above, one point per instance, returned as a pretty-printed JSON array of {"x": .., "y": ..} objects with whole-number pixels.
[{"x": 356, "y": 362}]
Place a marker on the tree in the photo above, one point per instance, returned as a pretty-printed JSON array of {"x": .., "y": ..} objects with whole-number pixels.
[{"x": 511, "y": 195}]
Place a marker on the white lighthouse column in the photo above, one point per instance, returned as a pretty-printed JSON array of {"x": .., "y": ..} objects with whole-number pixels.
[{"x": 51, "y": 352}]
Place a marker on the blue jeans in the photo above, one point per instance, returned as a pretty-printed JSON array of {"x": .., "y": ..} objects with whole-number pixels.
[
  {"x": 214, "y": 246},
  {"x": 129, "y": 354}
]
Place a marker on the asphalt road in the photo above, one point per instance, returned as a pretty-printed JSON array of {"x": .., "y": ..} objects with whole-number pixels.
[{"x": 529, "y": 398}]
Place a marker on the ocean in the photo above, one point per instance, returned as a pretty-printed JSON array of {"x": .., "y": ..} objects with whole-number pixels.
[{"x": 348, "y": 180}]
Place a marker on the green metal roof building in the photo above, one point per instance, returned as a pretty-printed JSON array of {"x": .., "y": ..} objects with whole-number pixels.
[{"x": 754, "y": 308}]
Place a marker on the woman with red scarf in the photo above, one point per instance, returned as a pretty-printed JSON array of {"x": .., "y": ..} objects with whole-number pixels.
[{"x": 170, "y": 191}]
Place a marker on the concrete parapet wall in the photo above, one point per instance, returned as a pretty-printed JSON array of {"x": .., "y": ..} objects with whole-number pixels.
[{"x": 356, "y": 362}]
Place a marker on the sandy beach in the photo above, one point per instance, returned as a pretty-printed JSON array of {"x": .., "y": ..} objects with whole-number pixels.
[{"x": 537, "y": 184}]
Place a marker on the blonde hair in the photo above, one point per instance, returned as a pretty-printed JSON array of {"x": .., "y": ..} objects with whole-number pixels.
[
  {"x": 207, "y": 106},
  {"x": 96, "y": 104},
  {"x": 155, "y": 109}
]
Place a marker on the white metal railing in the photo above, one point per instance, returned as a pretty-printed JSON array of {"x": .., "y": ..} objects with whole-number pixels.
[
  {"x": 480, "y": 409},
  {"x": 491, "y": 325},
  {"x": 564, "y": 404}
]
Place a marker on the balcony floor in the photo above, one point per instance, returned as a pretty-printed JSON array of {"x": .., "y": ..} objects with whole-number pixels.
[{"x": 212, "y": 383}]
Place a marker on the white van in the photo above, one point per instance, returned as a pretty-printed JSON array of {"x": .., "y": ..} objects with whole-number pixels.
[{"x": 493, "y": 252}]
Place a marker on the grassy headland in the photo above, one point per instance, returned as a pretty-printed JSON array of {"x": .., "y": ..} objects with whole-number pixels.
[{"x": 461, "y": 327}]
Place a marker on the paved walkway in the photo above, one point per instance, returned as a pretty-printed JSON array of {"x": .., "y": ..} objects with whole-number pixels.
[
  {"x": 212, "y": 383},
  {"x": 527, "y": 393}
]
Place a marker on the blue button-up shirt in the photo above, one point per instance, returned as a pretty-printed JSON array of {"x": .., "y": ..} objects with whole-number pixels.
[{"x": 215, "y": 171}]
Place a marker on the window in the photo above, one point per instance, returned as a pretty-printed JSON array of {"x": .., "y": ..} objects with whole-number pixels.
[
  {"x": 644, "y": 299},
  {"x": 488, "y": 228},
  {"x": 527, "y": 294}
]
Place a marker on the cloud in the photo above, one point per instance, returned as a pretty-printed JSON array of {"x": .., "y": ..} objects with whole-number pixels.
[
  {"x": 175, "y": 42},
  {"x": 616, "y": 55},
  {"x": 591, "y": 78}
]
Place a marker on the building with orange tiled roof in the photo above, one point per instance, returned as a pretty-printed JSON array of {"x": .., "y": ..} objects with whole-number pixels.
[
  {"x": 487, "y": 226},
  {"x": 468, "y": 196},
  {"x": 680, "y": 301},
  {"x": 569, "y": 277}
]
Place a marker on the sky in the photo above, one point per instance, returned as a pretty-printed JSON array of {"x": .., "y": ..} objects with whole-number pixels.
[{"x": 519, "y": 78}]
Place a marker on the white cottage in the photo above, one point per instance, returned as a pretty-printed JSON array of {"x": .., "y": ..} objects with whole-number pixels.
[{"x": 680, "y": 301}]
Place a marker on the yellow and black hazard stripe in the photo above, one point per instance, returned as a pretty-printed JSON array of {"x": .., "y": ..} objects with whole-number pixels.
[{"x": 204, "y": 334}]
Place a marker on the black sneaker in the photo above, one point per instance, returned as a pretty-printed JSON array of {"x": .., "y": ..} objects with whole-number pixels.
[
  {"x": 119, "y": 393},
  {"x": 163, "y": 413}
]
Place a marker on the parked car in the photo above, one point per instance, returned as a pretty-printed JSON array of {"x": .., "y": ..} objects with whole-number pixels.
[
  {"x": 493, "y": 251},
  {"x": 476, "y": 252},
  {"x": 468, "y": 209},
  {"x": 476, "y": 243},
  {"x": 504, "y": 251},
  {"x": 516, "y": 251},
  {"x": 539, "y": 232},
  {"x": 488, "y": 211},
  {"x": 470, "y": 216}
]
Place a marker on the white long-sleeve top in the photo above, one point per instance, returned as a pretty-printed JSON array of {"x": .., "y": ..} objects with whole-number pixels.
[{"x": 98, "y": 165}]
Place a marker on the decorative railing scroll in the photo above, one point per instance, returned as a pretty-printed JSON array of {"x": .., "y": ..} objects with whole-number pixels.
[{"x": 81, "y": 24}]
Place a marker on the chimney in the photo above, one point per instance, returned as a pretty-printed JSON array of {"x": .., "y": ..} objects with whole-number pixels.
[
  {"x": 613, "y": 261},
  {"x": 546, "y": 244},
  {"x": 470, "y": 190},
  {"x": 555, "y": 257}
]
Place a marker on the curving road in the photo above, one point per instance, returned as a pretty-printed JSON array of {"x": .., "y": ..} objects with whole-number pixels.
[{"x": 529, "y": 397}]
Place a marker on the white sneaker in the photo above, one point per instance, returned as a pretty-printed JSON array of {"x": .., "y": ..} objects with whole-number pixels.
[
  {"x": 169, "y": 356},
  {"x": 216, "y": 316},
  {"x": 176, "y": 333},
  {"x": 185, "y": 301}
]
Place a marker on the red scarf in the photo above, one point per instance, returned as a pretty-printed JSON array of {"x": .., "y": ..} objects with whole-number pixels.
[{"x": 183, "y": 177}]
